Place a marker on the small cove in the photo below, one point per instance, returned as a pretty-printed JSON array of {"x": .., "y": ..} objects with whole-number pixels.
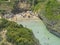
[{"x": 40, "y": 31}]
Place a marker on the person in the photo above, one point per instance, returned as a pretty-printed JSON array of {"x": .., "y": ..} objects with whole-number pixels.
[
  {"x": 37, "y": 32},
  {"x": 48, "y": 38}
]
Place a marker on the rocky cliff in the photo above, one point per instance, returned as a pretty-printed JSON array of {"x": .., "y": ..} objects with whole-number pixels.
[{"x": 50, "y": 15}]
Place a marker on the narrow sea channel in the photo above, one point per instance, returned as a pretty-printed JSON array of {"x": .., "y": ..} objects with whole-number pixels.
[{"x": 40, "y": 31}]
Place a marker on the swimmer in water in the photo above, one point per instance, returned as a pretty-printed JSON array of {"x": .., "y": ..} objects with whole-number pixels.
[
  {"x": 37, "y": 32},
  {"x": 48, "y": 38}
]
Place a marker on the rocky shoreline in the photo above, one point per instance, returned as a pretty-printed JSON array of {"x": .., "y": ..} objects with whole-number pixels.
[
  {"x": 29, "y": 15},
  {"x": 51, "y": 30},
  {"x": 50, "y": 26}
]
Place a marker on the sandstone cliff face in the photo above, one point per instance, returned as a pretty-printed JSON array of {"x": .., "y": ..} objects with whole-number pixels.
[
  {"x": 23, "y": 5},
  {"x": 15, "y": 6}
]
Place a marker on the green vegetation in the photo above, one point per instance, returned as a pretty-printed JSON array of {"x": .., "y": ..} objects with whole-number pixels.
[
  {"x": 17, "y": 34},
  {"x": 49, "y": 12},
  {"x": 50, "y": 8},
  {"x": 3, "y": 0},
  {"x": 12, "y": 6},
  {"x": 6, "y": 6},
  {"x": 38, "y": 5}
]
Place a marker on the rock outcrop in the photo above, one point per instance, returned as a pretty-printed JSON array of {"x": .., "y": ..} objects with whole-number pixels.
[{"x": 52, "y": 26}]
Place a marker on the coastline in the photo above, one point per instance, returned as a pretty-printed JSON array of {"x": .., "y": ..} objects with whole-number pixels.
[
  {"x": 32, "y": 16},
  {"x": 49, "y": 26},
  {"x": 51, "y": 30}
]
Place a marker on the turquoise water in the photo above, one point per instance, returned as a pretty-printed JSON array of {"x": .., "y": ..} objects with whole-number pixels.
[{"x": 40, "y": 31}]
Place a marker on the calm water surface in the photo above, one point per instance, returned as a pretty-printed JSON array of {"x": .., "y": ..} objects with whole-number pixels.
[{"x": 40, "y": 31}]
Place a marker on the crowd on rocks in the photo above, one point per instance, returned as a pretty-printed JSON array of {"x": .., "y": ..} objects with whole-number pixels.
[{"x": 21, "y": 16}]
